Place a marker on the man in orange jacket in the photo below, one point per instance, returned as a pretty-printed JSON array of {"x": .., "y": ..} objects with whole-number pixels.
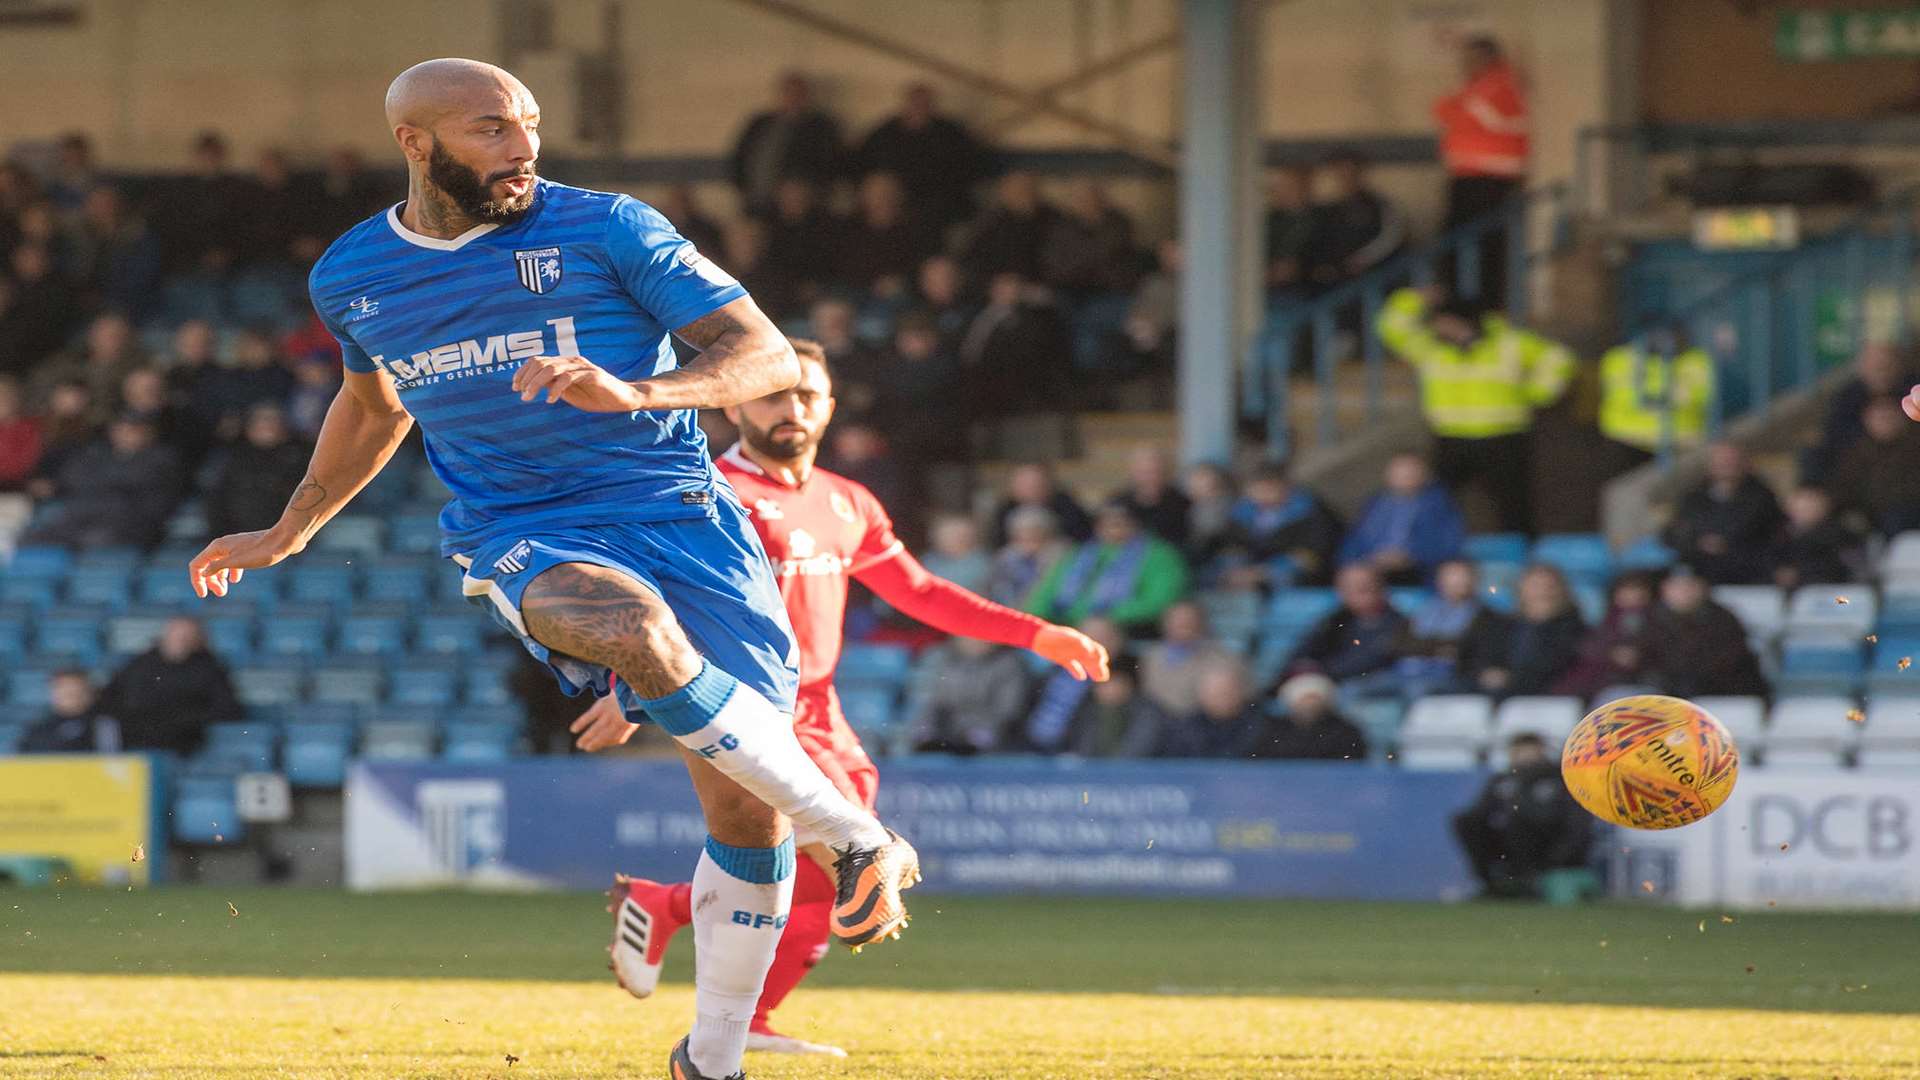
[{"x": 1483, "y": 143}]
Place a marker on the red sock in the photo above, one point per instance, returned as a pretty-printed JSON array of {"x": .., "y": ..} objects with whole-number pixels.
[
  {"x": 680, "y": 902},
  {"x": 803, "y": 943}
]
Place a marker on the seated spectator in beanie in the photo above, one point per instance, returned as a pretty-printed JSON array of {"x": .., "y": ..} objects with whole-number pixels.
[
  {"x": 1695, "y": 647},
  {"x": 20, "y": 439},
  {"x": 1524, "y": 823},
  {"x": 1278, "y": 534},
  {"x": 1033, "y": 546},
  {"x": 74, "y": 722},
  {"x": 1116, "y": 720},
  {"x": 166, "y": 696},
  {"x": 1225, "y": 723},
  {"x": 1123, "y": 574},
  {"x": 1362, "y": 636},
  {"x": 1210, "y": 502},
  {"x": 1409, "y": 527},
  {"x": 117, "y": 492},
  {"x": 1880, "y": 373},
  {"x": 954, "y": 553},
  {"x": 1049, "y": 727},
  {"x": 1529, "y": 651},
  {"x": 1613, "y": 652},
  {"x": 1032, "y": 485},
  {"x": 1815, "y": 546},
  {"x": 1157, "y": 502},
  {"x": 969, "y": 697},
  {"x": 1309, "y": 727},
  {"x": 1170, "y": 668},
  {"x": 1723, "y": 527},
  {"x": 1877, "y": 474},
  {"x": 252, "y": 484}
]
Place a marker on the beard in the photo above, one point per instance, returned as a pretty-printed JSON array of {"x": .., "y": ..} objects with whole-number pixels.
[
  {"x": 471, "y": 192},
  {"x": 790, "y": 444}
]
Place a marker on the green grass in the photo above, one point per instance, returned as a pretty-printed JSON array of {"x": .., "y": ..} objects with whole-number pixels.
[{"x": 446, "y": 984}]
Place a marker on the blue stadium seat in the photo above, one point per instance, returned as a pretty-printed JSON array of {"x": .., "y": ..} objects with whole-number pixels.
[
  {"x": 1500, "y": 584},
  {"x": 417, "y": 534},
  {"x": 406, "y": 581},
  {"x": 87, "y": 585},
  {"x": 378, "y": 635},
  {"x": 285, "y": 635},
  {"x": 480, "y": 742},
  {"x": 320, "y": 584},
  {"x": 268, "y": 685},
  {"x": 1495, "y": 547},
  {"x": 1407, "y": 599},
  {"x": 40, "y": 562},
  {"x": 255, "y": 299},
  {"x": 356, "y": 534},
  {"x": 397, "y": 741},
  {"x": 169, "y": 585},
  {"x": 205, "y": 812},
  {"x": 1232, "y": 613},
  {"x": 129, "y": 635},
  {"x": 184, "y": 298},
  {"x": 1591, "y": 599},
  {"x": 1647, "y": 553},
  {"x": 1886, "y": 677},
  {"x": 22, "y": 589},
  {"x": 884, "y": 666},
  {"x": 123, "y": 559},
  {"x": 10, "y": 736},
  {"x": 1293, "y": 611},
  {"x": 1584, "y": 558},
  {"x": 348, "y": 686},
  {"x": 321, "y": 713},
  {"x": 229, "y": 635},
  {"x": 1819, "y": 666},
  {"x": 511, "y": 715},
  {"x": 238, "y": 747},
  {"x": 315, "y": 755},
  {"x": 77, "y": 638},
  {"x": 448, "y": 587},
  {"x": 13, "y": 638},
  {"x": 486, "y": 685},
  {"x": 872, "y": 711},
  {"x": 433, "y": 689},
  {"x": 20, "y": 716},
  {"x": 28, "y": 687},
  {"x": 449, "y": 633}
]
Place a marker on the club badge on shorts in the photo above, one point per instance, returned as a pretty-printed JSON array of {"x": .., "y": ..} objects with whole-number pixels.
[
  {"x": 515, "y": 560},
  {"x": 539, "y": 269}
]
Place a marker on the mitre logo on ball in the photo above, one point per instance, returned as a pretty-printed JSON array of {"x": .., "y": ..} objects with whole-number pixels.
[{"x": 1650, "y": 762}]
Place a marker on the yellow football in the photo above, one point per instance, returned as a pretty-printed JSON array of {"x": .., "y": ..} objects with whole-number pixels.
[{"x": 1650, "y": 762}]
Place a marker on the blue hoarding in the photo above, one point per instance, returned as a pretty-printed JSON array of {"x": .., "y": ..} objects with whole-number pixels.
[{"x": 981, "y": 825}]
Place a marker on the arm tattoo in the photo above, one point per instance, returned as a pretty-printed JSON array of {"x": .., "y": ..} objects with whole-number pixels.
[
  {"x": 604, "y": 617},
  {"x": 742, "y": 357},
  {"x": 308, "y": 496},
  {"x": 702, "y": 332}
]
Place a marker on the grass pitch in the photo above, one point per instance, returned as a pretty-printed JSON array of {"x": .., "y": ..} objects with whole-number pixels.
[{"x": 170, "y": 984}]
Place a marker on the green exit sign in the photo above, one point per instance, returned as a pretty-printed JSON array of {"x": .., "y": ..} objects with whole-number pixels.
[{"x": 1811, "y": 36}]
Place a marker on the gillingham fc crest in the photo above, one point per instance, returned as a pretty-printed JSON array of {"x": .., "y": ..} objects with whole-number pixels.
[{"x": 539, "y": 269}]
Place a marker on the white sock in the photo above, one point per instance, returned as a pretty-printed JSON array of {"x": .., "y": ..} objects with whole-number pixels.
[
  {"x": 740, "y": 902},
  {"x": 736, "y": 728}
]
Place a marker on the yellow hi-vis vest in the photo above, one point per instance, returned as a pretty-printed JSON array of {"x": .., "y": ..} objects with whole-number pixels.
[
  {"x": 1489, "y": 388},
  {"x": 1637, "y": 387}
]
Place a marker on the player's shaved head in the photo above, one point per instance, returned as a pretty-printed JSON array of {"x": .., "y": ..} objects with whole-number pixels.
[{"x": 432, "y": 89}]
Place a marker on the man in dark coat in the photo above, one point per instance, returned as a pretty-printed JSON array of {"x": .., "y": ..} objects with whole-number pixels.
[
  {"x": 936, "y": 158},
  {"x": 166, "y": 696},
  {"x": 795, "y": 139},
  {"x": 1693, "y": 646},
  {"x": 1723, "y": 527},
  {"x": 1524, "y": 823},
  {"x": 1310, "y": 728}
]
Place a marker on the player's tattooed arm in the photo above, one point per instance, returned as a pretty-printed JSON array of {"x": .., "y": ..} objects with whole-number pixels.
[
  {"x": 743, "y": 356},
  {"x": 363, "y": 428}
]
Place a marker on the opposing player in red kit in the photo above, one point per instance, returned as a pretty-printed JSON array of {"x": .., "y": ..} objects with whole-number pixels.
[{"x": 819, "y": 529}]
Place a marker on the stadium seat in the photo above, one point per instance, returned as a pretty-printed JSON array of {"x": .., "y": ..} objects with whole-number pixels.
[
  {"x": 347, "y": 685},
  {"x": 1294, "y": 611},
  {"x": 1743, "y": 717},
  {"x": 1838, "y": 609},
  {"x": 1232, "y": 613},
  {"x": 166, "y": 585},
  {"x": 320, "y": 584},
  {"x": 414, "y": 534},
  {"x": 355, "y": 534},
  {"x": 10, "y": 736},
  {"x": 397, "y": 741},
  {"x": 1379, "y": 719},
  {"x": 205, "y": 811},
  {"x": 1500, "y": 584},
  {"x": 871, "y": 710},
  {"x": 428, "y": 688},
  {"x": 230, "y": 635},
  {"x": 112, "y": 588},
  {"x": 1811, "y": 731},
  {"x": 1761, "y": 609},
  {"x": 874, "y": 665},
  {"x": 267, "y": 685},
  {"x": 457, "y": 634},
  {"x": 78, "y": 638},
  {"x": 315, "y": 755},
  {"x": 124, "y": 560},
  {"x": 485, "y": 685},
  {"x": 239, "y": 747},
  {"x": 1900, "y": 608},
  {"x": 1820, "y": 663},
  {"x": 1584, "y": 558},
  {"x": 405, "y": 581},
  {"x": 1892, "y": 732},
  {"x": 321, "y": 713},
  {"x": 480, "y": 742},
  {"x": 1495, "y": 547},
  {"x": 39, "y": 562},
  {"x": 185, "y": 298},
  {"x": 13, "y": 637},
  {"x": 1552, "y": 718},
  {"x": 1902, "y": 557},
  {"x": 129, "y": 635},
  {"x": 39, "y": 592},
  {"x": 28, "y": 687},
  {"x": 1445, "y": 731},
  {"x": 1647, "y": 553},
  {"x": 374, "y": 635},
  {"x": 1590, "y": 600},
  {"x": 289, "y": 635},
  {"x": 512, "y": 715},
  {"x": 1408, "y": 599}
]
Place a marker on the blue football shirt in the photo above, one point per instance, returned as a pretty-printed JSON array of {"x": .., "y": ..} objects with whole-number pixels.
[{"x": 584, "y": 273}]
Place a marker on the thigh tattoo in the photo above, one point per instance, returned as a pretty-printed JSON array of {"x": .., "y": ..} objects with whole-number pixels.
[{"x": 605, "y": 617}]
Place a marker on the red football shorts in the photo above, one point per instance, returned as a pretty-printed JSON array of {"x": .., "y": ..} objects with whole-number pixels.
[{"x": 827, "y": 738}]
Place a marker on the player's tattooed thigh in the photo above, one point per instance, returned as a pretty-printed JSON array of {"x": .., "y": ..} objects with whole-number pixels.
[{"x": 605, "y": 617}]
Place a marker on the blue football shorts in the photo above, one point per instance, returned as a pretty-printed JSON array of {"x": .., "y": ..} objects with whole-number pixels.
[{"x": 711, "y": 571}]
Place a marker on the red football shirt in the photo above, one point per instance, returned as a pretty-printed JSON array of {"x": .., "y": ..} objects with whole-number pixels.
[{"x": 817, "y": 535}]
